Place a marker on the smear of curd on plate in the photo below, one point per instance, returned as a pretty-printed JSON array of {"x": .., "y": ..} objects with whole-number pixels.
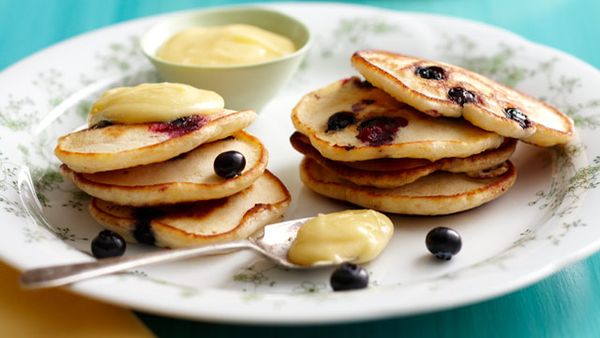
[
  {"x": 229, "y": 45},
  {"x": 154, "y": 102},
  {"x": 358, "y": 236}
]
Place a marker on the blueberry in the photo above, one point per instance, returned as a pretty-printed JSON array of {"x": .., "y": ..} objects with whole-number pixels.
[
  {"x": 108, "y": 244},
  {"x": 431, "y": 73},
  {"x": 349, "y": 276},
  {"x": 143, "y": 233},
  {"x": 229, "y": 164},
  {"x": 461, "y": 95},
  {"x": 380, "y": 129},
  {"x": 518, "y": 116},
  {"x": 180, "y": 126},
  {"x": 443, "y": 242},
  {"x": 340, "y": 120}
]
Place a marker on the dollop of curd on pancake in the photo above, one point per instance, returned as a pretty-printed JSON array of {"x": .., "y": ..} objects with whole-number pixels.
[
  {"x": 154, "y": 102},
  {"x": 358, "y": 236},
  {"x": 229, "y": 45}
]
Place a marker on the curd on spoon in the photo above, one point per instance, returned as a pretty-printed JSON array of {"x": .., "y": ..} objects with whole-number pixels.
[{"x": 358, "y": 236}]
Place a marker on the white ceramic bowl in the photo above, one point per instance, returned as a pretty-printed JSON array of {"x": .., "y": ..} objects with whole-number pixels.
[{"x": 244, "y": 86}]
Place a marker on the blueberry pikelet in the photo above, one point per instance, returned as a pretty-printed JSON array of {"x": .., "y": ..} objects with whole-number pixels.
[
  {"x": 148, "y": 123},
  {"x": 391, "y": 173},
  {"x": 440, "y": 193},
  {"x": 188, "y": 224},
  {"x": 440, "y": 89},
  {"x": 188, "y": 177},
  {"x": 117, "y": 146},
  {"x": 349, "y": 120}
]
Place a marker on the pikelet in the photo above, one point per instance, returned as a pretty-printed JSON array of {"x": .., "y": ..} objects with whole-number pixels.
[
  {"x": 186, "y": 178},
  {"x": 439, "y": 193},
  {"x": 340, "y": 120},
  {"x": 221, "y": 220},
  {"x": 103, "y": 148},
  {"x": 440, "y": 89},
  {"x": 392, "y": 173}
]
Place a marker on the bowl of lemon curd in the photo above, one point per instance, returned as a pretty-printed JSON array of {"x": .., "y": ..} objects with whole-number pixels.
[{"x": 246, "y": 54}]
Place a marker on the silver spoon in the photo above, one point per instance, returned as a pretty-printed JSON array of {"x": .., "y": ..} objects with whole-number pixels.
[{"x": 273, "y": 242}]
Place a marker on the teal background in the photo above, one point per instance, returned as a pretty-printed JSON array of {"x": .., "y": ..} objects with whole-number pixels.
[{"x": 566, "y": 304}]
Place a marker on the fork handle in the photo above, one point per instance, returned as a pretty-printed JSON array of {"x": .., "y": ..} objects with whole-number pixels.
[{"x": 60, "y": 275}]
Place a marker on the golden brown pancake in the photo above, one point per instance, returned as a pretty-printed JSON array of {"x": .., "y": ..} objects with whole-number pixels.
[
  {"x": 439, "y": 193},
  {"x": 440, "y": 89},
  {"x": 377, "y": 126},
  {"x": 186, "y": 178},
  {"x": 223, "y": 220},
  {"x": 397, "y": 175},
  {"x": 124, "y": 146}
]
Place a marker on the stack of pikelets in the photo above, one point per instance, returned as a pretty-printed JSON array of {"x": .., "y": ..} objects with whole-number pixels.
[
  {"x": 417, "y": 137},
  {"x": 154, "y": 183}
]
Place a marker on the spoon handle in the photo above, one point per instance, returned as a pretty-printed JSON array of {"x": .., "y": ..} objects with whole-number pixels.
[{"x": 59, "y": 275}]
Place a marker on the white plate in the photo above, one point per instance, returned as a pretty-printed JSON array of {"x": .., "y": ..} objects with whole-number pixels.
[{"x": 543, "y": 223}]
